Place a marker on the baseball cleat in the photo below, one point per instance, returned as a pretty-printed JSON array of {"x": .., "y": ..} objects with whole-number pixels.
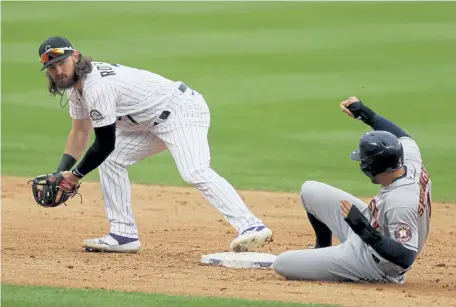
[
  {"x": 112, "y": 243},
  {"x": 250, "y": 238}
]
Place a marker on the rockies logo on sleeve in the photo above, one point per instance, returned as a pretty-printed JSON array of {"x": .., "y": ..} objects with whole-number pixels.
[{"x": 95, "y": 115}]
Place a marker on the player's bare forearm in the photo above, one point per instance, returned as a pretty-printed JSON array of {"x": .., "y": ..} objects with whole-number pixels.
[
  {"x": 76, "y": 143},
  {"x": 79, "y": 137}
]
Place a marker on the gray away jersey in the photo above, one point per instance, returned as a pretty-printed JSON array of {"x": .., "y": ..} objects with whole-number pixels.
[{"x": 402, "y": 210}]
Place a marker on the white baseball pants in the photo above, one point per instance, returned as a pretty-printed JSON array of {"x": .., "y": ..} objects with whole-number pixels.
[{"x": 185, "y": 135}]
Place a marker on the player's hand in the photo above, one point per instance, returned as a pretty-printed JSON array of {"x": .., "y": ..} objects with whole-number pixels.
[
  {"x": 73, "y": 181},
  {"x": 345, "y": 103},
  {"x": 68, "y": 175},
  {"x": 354, "y": 218},
  {"x": 52, "y": 190},
  {"x": 345, "y": 206}
]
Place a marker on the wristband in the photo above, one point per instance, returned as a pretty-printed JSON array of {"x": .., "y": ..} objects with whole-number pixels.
[
  {"x": 66, "y": 163},
  {"x": 361, "y": 226},
  {"x": 362, "y": 112},
  {"x": 77, "y": 173}
]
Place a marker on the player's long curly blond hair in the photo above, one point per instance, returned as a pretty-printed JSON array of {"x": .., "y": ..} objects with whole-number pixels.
[{"x": 83, "y": 68}]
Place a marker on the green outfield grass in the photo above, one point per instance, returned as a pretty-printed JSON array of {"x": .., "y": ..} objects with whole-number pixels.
[
  {"x": 273, "y": 75},
  {"x": 18, "y": 296}
]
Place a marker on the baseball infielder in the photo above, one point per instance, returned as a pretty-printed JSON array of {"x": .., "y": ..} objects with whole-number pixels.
[
  {"x": 380, "y": 240},
  {"x": 136, "y": 114}
]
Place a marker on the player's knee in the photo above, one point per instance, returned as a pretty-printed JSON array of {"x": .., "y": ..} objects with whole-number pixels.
[
  {"x": 196, "y": 176},
  {"x": 309, "y": 187},
  {"x": 308, "y": 190},
  {"x": 279, "y": 265}
]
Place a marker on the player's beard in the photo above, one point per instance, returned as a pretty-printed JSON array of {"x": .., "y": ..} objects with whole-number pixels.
[
  {"x": 80, "y": 70},
  {"x": 66, "y": 82}
]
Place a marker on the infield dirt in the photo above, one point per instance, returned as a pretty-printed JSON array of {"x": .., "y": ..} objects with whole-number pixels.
[{"x": 43, "y": 247}]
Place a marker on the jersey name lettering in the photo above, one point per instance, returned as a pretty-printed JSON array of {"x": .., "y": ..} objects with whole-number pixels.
[
  {"x": 425, "y": 198},
  {"x": 374, "y": 211},
  {"x": 105, "y": 69}
]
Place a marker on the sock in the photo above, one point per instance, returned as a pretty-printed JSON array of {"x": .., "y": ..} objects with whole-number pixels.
[
  {"x": 322, "y": 233},
  {"x": 122, "y": 240}
]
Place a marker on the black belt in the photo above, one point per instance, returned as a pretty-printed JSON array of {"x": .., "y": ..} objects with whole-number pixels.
[
  {"x": 164, "y": 115},
  {"x": 375, "y": 258},
  {"x": 129, "y": 117}
]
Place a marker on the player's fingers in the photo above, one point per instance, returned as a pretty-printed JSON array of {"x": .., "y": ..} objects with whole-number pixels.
[
  {"x": 343, "y": 103},
  {"x": 343, "y": 107},
  {"x": 344, "y": 213},
  {"x": 342, "y": 209},
  {"x": 343, "y": 205},
  {"x": 348, "y": 112},
  {"x": 350, "y": 100},
  {"x": 347, "y": 205}
]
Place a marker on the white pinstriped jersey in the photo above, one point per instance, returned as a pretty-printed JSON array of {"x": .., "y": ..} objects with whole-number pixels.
[{"x": 111, "y": 91}]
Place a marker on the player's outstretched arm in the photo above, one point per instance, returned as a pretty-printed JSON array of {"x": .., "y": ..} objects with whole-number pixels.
[
  {"x": 355, "y": 108},
  {"x": 76, "y": 144},
  {"x": 100, "y": 100},
  {"x": 386, "y": 247},
  {"x": 102, "y": 147}
]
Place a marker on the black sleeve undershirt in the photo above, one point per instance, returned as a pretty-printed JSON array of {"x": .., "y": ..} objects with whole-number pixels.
[
  {"x": 392, "y": 250},
  {"x": 383, "y": 124},
  {"x": 386, "y": 247},
  {"x": 374, "y": 120},
  {"x": 104, "y": 144}
]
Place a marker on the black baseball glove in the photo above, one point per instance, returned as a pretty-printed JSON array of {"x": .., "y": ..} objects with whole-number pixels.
[{"x": 52, "y": 190}]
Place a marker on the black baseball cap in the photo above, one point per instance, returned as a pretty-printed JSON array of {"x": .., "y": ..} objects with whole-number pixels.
[{"x": 53, "y": 50}]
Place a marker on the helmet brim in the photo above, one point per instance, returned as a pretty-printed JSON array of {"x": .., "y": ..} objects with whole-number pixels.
[{"x": 355, "y": 155}]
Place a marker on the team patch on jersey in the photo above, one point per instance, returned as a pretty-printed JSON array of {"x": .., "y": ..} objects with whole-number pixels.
[
  {"x": 95, "y": 115},
  {"x": 402, "y": 233}
]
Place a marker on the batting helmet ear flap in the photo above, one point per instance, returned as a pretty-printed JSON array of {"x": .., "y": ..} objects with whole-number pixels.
[{"x": 355, "y": 155}]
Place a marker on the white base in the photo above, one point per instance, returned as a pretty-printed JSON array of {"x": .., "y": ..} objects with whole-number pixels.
[{"x": 246, "y": 260}]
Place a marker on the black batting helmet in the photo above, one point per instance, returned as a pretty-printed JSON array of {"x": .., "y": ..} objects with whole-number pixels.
[{"x": 378, "y": 152}]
